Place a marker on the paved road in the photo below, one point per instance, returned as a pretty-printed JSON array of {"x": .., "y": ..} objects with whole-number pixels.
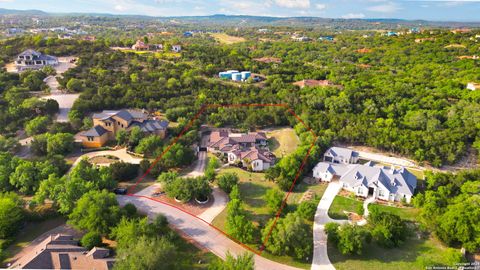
[
  {"x": 198, "y": 230},
  {"x": 320, "y": 254},
  {"x": 200, "y": 164}
]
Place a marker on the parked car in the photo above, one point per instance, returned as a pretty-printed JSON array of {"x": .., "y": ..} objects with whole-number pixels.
[{"x": 120, "y": 191}]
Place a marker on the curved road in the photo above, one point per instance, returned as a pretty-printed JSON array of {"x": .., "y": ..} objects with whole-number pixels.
[
  {"x": 120, "y": 154},
  {"x": 197, "y": 229},
  {"x": 320, "y": 253}
]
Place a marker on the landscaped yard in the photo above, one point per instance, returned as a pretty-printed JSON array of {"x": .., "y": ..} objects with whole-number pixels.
[
  {"x": 408, "y": 213},
  {"x": 283, "y": 141},
  {"x": 413, "y": 254},
  {"x": 341, "y": 204},
  {"x": 227, "y": 39}
]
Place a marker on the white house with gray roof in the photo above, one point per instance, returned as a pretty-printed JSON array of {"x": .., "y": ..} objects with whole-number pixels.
[
  {"x": 31, "y": 59},
  {"x": 384, "y": 183},
  {"x": 341, "y": 155}
]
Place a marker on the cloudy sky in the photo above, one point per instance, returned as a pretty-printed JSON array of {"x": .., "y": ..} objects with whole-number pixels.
[{"x": 458, "y": 10}]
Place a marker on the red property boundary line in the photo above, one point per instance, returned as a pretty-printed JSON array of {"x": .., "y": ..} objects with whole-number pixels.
[{"x": 188, "y": 126}]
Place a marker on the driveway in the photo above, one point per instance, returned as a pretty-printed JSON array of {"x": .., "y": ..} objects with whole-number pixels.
[
  {"x": 197, "y": 229},
  {"x": 120, "y": 154},
  {"x": 320, "y": 254},
  {"x": 200, "y": 164}
]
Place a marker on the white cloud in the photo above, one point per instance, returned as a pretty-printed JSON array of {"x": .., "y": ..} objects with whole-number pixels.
[
  {"x": 293, "y": 3},
  {"x": 353, "y": 16},
  {"x": 320, "y": 6},
  {"x": 389, "y": 7},
  {"x": 119, "y": 8}
]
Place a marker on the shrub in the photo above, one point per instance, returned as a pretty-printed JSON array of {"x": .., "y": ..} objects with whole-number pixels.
[
  {"x": 91, "y": 239},
  {"x": 227, "y": 181},
  {"x": 307, "y": 209},
  {"x": 124, "y": 171},
  {"x": 130, "y": 210}
]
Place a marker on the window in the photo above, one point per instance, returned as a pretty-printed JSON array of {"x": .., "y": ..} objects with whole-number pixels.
[
  {"x": 90, "y": 138},
  {"x": 381, "y": 193},
  {"x": 360, "y": 191}
]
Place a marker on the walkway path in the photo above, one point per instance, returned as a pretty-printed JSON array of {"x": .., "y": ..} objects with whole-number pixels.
[
  {"x": 367, "y": 201},
  {"x": 197, "y": 229},
  {"x": 320, "y": 254}
]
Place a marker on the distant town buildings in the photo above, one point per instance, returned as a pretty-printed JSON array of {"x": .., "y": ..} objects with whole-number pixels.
[
  {"x": 108, "y": 123},
  {"x": 62, "y": 252},
  {"x": 301, "y": 39},
  {"x": 31, "y": 59},
  {"x": 326, "y": 38},
  {"x": 140, "y": 46},
  {"x": 176, "y": 48}
]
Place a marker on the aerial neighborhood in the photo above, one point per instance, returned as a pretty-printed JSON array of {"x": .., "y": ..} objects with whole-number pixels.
[{"x": 144, "y": 139}]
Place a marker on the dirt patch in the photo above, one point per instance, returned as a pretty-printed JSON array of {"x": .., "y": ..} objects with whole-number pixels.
[{"x": 103, "y": 159}]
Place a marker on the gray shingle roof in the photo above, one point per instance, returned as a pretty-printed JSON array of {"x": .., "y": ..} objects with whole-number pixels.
[
  {"x": 96, "y": 131},
  {"x": 341, "y": 152}
]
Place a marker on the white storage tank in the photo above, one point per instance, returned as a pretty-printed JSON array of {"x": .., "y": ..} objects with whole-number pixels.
[
  {"x": 246, "y": 75},
  {"x": 236, "y": 76}
]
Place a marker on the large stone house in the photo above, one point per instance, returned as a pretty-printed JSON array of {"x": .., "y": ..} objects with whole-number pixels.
[
  {"x": 249, "y": 149},
  {"x": 384, "y": 183},
  {"x": 62, "y": 252},
  {"x": 31, "y": 59},
  {"x": 107, "y": 123}
]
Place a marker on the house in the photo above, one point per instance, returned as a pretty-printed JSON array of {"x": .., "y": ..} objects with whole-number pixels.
[
  {"x": 312, "y": 83},
  {"x": 473, "y": 86},
  {"x": 158, "y": 47},
  {"x": 383, "y": 183},
  {"x": 62, "y": 252},
  {"x": 326, "y": 38},
  {"x": 301, "y": 39},
  {"x": 108, "y": 123},
  {"x": 176, "y": 48},
  {"x": 31, "y": 59},
  {"x": 188, "y": 34},
  {"x": 341, "y": 155},
  {"x": 391, "y": 34},
  {"x": 248, "y": 149},
  {"x": 140, "y": 46}
]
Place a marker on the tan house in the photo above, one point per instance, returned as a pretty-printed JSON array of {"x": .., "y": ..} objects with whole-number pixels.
[
  {"x": 140, "y": 46},
  {"x": 62, "y": 252},
  {"x": 107, "y": 123}
]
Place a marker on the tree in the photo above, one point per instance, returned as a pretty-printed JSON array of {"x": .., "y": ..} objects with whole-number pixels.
[
  {"x": 331, "y": 229},
  {"x": 201, "y": 189},
  {"x": 25, "y": 177},
  {"x": 306, "y": 209},
  {"x": 96, "y": 211},
  {"x": 37, "y": 125},
  {"x": 39, "y": 145},
  {"x": 51, "y": 106},
  {"x": 128, "y": 231},
  {"x": 388, "y": 229},
  {"x": 149, "y": 254},
  {"x": 121, "y": 137},
  {"x": 11, "y": 214},
  {"x": 122, "y": 171},
  {"x": 274, "y": 199},
  {"x": 227, "y": 181},
  {"x": 60, "y": 144},
  {"x": 290, "y": 236},
  {"x": 237, "y": 223},
  {"x": 179, "y": 188},
  {"x": 243, "y": 261},
  {"x": 136, "y": 135},
  {"x": 150, "y": 145},
  {"x": 210, "y": 173},
  {"x": 350, "y": 239},
  {"x": 91, "y": 239},
  {"x": 75, "y": 85}
]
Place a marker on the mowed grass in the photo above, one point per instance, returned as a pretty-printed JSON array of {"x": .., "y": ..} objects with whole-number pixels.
[
  {"x": 283, "y": 141},
  {"x": 341, "y": 204},
  {"x": 408, "y": 213},
  {"x": 414, "y": 254},
  {"x": 227, "y": 39}
]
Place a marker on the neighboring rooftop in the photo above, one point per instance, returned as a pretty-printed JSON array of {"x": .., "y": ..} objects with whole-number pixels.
[{"x": 62, "y": 252}]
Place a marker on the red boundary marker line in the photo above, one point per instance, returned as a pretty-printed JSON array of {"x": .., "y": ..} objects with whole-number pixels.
[{"x": 188, "y": 126}]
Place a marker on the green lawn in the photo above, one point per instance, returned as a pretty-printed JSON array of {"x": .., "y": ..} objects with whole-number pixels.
[
  {"x": 283, "y": 141},
  {"x": 408, "y": 213},
  {"x": 194, "y": 258},
  {"x": 302, "y": 187},
  {"x": 414, "y": 254},
  {"x": 341, "y": 204},
  {"x": 31, "y": 231}
]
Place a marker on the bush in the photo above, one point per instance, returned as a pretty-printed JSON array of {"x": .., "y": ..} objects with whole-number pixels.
[
  {"x": 124, "y": 171},
  {"x": 307, "y": 209},
  {"x": 331, "y": 229},
  {"x": 227, "y": 181},
  {"x": 130, "y": 210},
  {"x": 360, "y": 210},
  {"x": 144, "y": 165},
  {"x": 274, "y": 199},
  {"x": 91, "y": 240}
]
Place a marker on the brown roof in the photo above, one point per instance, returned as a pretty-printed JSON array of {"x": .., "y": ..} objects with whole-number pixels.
[
  {"x": 62, "y": 252},
  {"x": 364, "y": 50},
  {"x": 312, "y": 83}
]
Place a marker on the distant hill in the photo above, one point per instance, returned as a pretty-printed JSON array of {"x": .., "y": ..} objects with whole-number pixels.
[
  {"x": 219, "y": 20},
  {"x": 4, "y": 11}
]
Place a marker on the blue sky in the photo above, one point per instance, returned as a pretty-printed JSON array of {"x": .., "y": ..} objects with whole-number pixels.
[{"x": 458, "y": 10}]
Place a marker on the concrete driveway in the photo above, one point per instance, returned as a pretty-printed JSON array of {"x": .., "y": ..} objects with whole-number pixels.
[
  {"x": 197, "y": 229},
  {"x": 120, "y": 154},
  {"x": 320, "y": 254}
]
